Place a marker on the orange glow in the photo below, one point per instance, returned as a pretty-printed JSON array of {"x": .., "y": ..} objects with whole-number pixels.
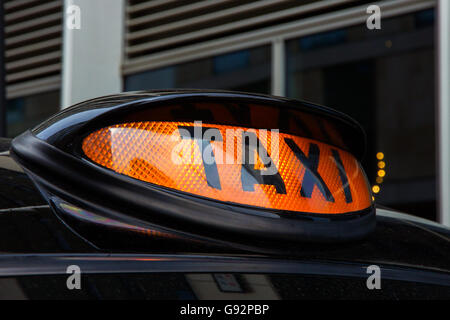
[
  {"x": 375, "y": 189},
  {"x": 316, "y": 178}
]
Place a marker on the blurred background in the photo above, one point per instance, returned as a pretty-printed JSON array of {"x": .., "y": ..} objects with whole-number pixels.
[{"x": 322, "y": 51}]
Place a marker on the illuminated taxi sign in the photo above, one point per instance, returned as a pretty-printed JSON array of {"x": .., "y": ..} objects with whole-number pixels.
[{"x": 243, "y": 166}]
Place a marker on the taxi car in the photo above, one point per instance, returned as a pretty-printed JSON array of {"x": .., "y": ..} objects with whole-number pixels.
[{"x": 200, "y": 194}]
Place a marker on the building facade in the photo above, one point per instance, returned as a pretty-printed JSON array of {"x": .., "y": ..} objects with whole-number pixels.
[{"x": 388, "y": 79}]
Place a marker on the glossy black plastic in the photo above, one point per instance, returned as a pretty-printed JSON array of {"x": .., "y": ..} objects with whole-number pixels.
[
  {"x": 217, "y": 107},
  {"x": 51, "y": 155}
]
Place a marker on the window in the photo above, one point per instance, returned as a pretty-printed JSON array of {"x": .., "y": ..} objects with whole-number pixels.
[
  {"x": 26, "y": 112},
  {"x": 385, "y": 80},
  {"x": 246, "y": 70}
]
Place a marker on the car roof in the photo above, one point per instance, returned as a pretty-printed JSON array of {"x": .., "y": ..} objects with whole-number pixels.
[{"x": 28, "y": 225}]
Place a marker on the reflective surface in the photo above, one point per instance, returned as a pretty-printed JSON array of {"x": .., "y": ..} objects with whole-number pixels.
[
  {"x": 26, "y": 112},
  {"x": 214, "y": 286},
  {"x": 246, "y": 70},
  {"x": 16, "y": 189},
  {"x": 36, "y": 229},
  {"x": 234, "y": 164},
  {"x": 413, "y": 257}
]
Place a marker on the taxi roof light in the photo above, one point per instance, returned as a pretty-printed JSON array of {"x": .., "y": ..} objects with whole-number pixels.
[
  {"x": 309, "y": 176},
  {"x": 138, "y": 156}
]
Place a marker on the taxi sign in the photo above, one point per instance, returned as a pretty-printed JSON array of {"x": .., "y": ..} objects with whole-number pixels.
[
  {"x": 249, "y": 171},
  {"x": 287, "y": 172}
]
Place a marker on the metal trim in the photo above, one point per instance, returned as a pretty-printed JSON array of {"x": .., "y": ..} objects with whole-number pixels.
[
  {"x": 56, "y": 264},
  {"x": 443, "y": 112}
]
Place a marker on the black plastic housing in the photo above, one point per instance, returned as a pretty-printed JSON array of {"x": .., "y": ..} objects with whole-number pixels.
[{"x": 51, "y": 154}]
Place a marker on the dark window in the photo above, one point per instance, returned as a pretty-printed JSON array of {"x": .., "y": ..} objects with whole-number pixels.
[
  {"x": 246, "y": 70},
  {"x": 385, "y": 80},
  {"x": 26, "y": 112}
]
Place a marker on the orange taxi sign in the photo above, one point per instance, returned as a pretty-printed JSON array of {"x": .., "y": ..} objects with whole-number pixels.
[{"x": 244, "y": 166}]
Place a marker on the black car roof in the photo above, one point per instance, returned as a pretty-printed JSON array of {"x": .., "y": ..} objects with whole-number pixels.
[{"x": 29, "y": 226}]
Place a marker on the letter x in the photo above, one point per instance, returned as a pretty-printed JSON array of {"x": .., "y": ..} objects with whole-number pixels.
[{"x": 311, "y": 177}]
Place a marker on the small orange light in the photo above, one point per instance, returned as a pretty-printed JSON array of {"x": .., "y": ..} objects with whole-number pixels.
[
  {"x": 375, "y": 189},
  {"x": 380, "y": 155},
  {"x": 288, "y": 173},
  {"x": 381, "y": 173}
]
